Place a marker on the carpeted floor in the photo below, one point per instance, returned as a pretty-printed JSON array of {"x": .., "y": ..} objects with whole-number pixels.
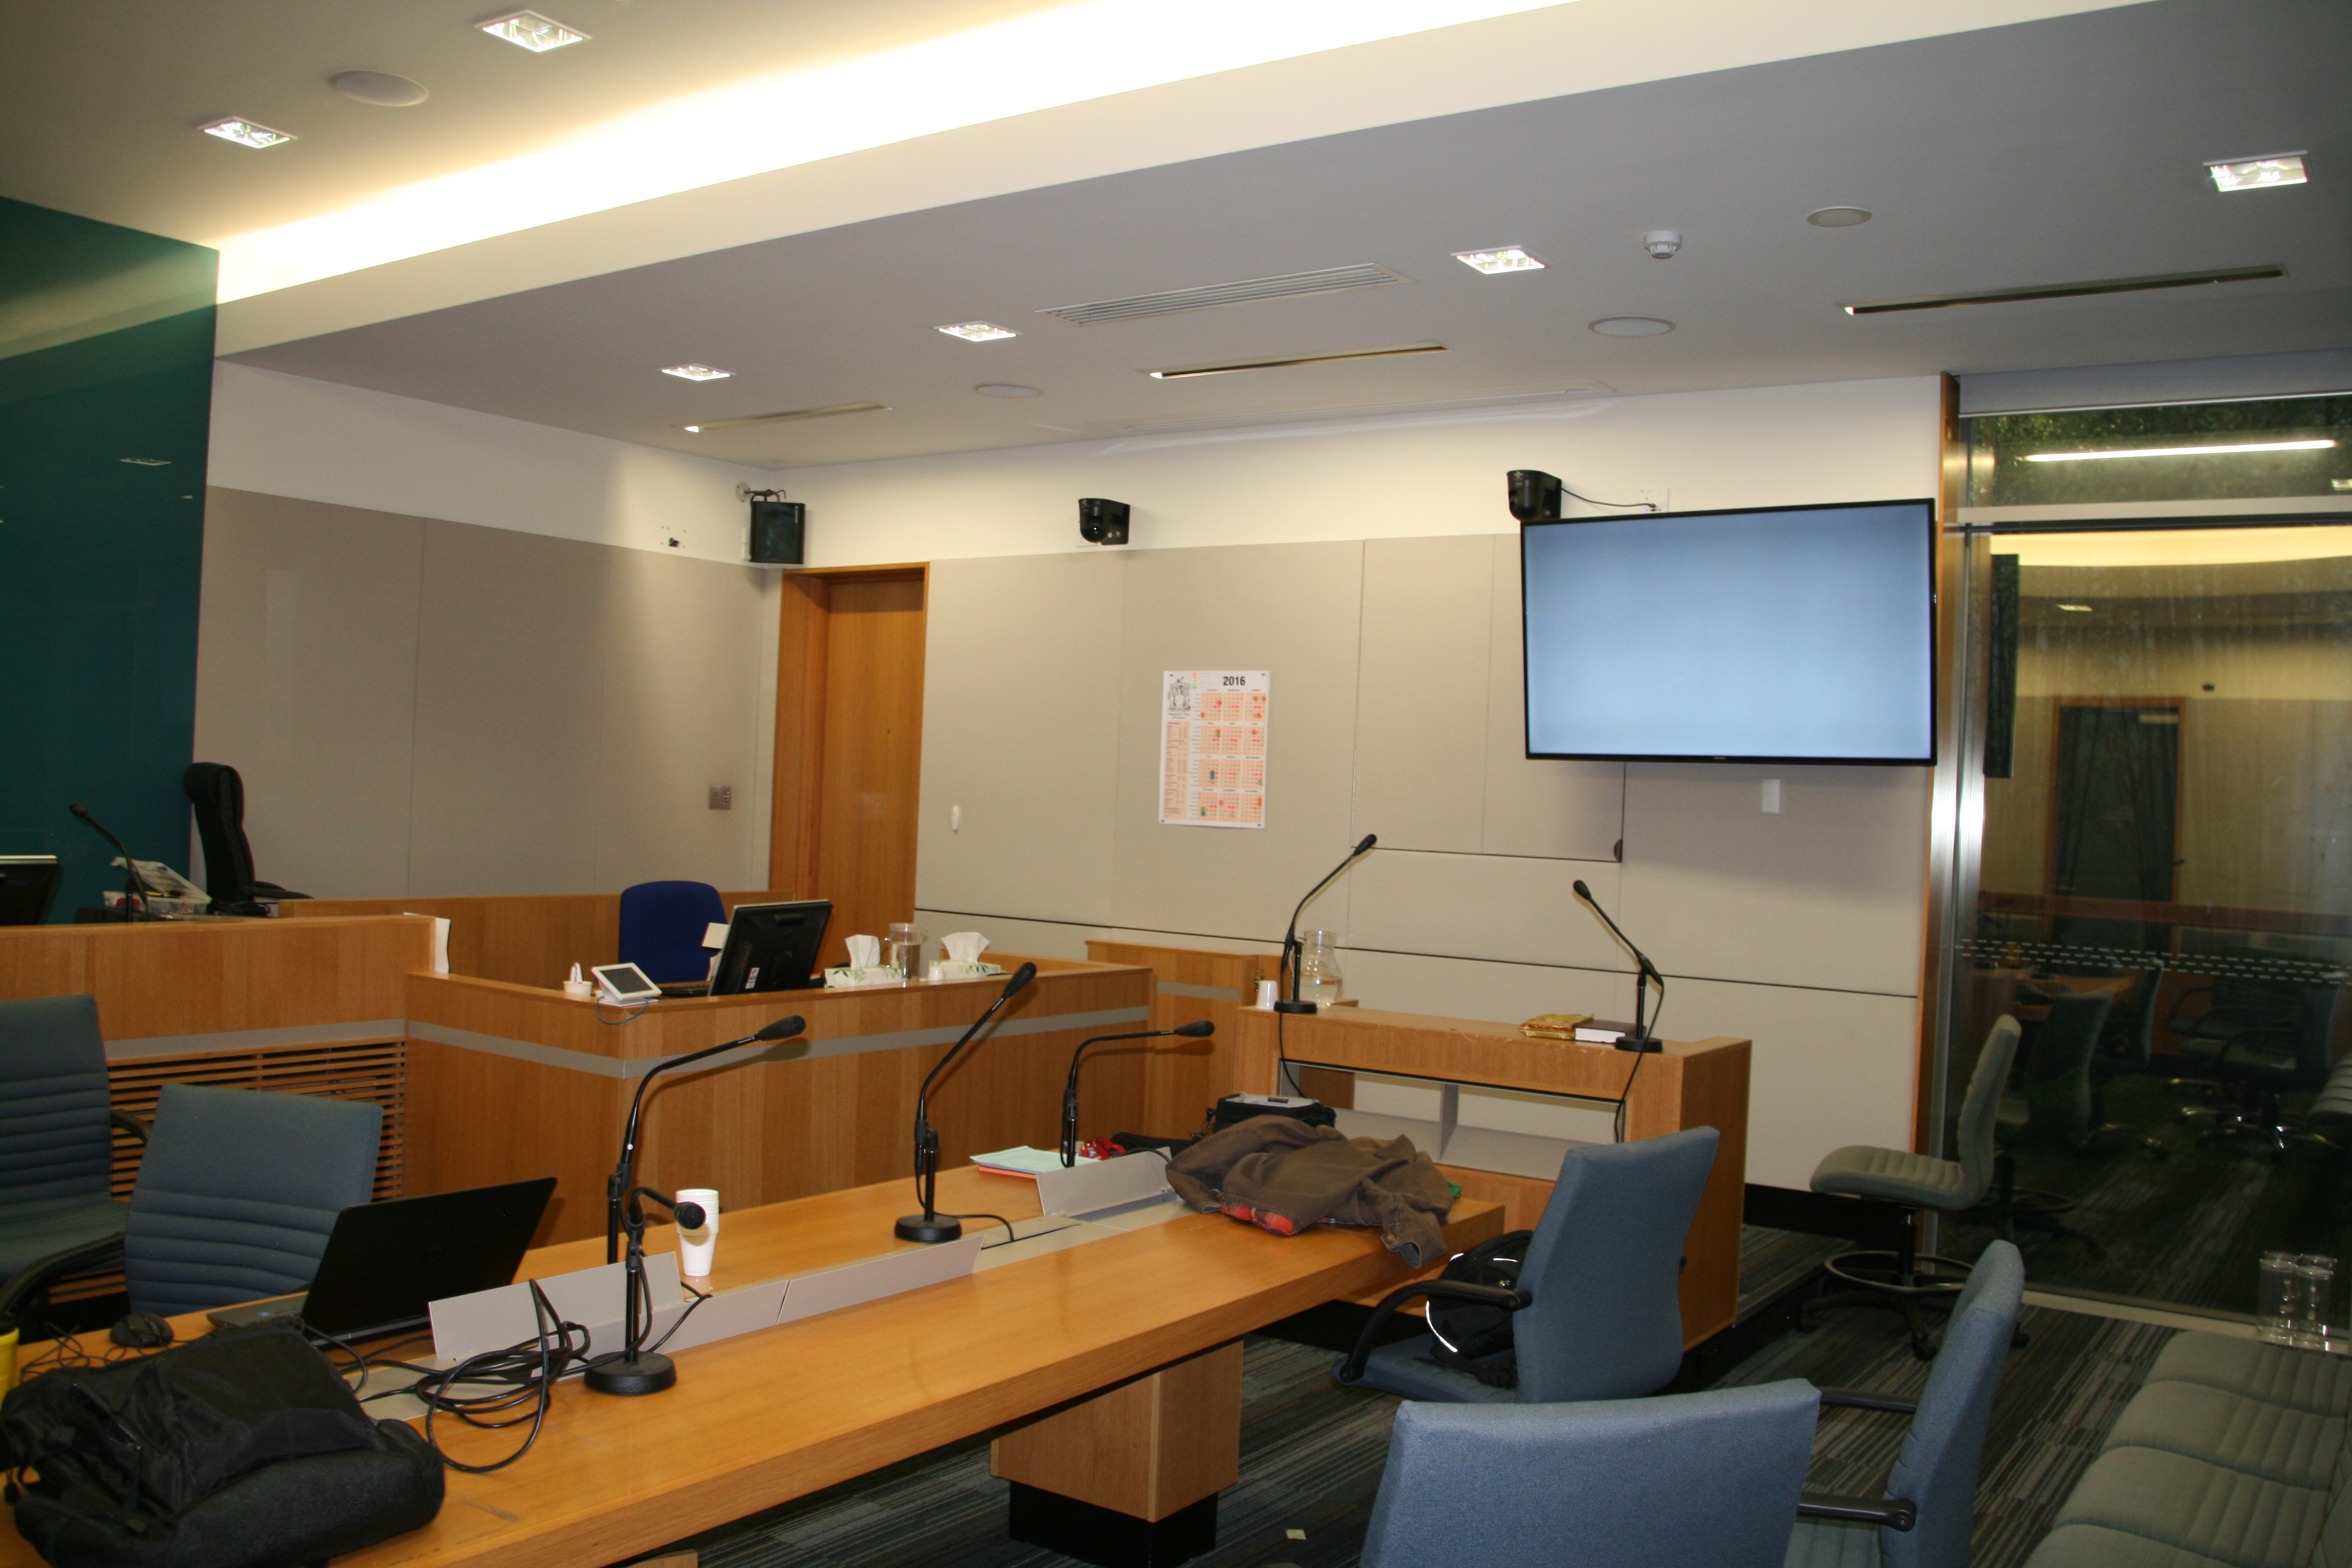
[{"x": 1312, "y": 1451}]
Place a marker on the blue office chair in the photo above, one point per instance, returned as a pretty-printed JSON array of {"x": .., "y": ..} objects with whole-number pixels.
[
  {"x": 1603, "y": 1318},
  {"x": 661, "y": 929},
  {"x": 1690, "y": 1480},
  {"x": 56, "y": 1147},
  {"x": 1933, "y": 1482},
  {"x": 239, "y": 1190}
]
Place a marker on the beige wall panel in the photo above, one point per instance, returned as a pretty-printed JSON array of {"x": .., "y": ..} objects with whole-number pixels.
[
  {"x": 1565, "y": 810},
  {"x": 1021, "y": 729},
  {"x": 1421, "y": 709},
  {"x": 1483, "y": 906},
  {"x": 512, "y": 740},
  {"x": 1034, "y": 939},
  {"x": 1470, "y": 988},
  {"x": 306, "y": 684},
  {"x": 679, "y": 709},
  {"x": 1826, "y": 893},
  {"x": 1831, "y": 1068},
  {"x": 1291, "y": 609}
]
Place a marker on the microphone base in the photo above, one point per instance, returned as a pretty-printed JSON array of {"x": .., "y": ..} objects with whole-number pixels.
[
  {"x": 929, "y": 1228},
  {"x": 649, "y": 1374},
  {"x": 1286, "y": 1005},
  {"x": 1639, "y": 1042}
]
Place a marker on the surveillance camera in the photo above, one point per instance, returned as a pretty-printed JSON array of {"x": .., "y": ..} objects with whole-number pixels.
[
  {"x": 1662, "y": 243},
  {"x": 1102, "y": 521}
]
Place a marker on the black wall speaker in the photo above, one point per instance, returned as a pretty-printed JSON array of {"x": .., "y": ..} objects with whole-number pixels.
[
  {"x": 779, "y": 532},
  {"x": 1535, "y": 496},
  {"x": 1102, "y": 521}
]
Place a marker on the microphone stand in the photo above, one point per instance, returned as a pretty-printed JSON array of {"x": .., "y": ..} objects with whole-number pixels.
[
  {"x": 135, "y": 893},
  {"x": 637, "y": 1370},
  {"x": 1641, "y": 1039},
  {"x": 1195, "y": 1030},
  {"x": 930, "y": 1225},
  {"x": 616, "y": 1186},
  {"x": 1291, "y": 951}
]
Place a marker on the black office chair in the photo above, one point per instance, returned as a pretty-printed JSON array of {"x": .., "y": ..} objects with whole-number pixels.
[
  {"x": 57, "y": 1216},
  {"x": 218, "y": 795},
  {"x": 2051, "y": 1107},
  {"x": 1902, "y": 1278},
  {"x": 2126, "y": 1048},
  {"x": 2262, "y": 1037}
]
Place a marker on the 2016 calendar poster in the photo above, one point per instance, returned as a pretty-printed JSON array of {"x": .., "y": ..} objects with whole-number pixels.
[{"x": 1212, "y": 748}]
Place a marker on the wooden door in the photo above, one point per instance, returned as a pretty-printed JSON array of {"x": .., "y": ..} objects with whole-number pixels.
[{"x": 849, "y": 727}]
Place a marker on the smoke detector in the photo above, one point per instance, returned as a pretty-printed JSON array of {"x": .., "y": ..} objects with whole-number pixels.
[{"x": 1662, "y": 243}]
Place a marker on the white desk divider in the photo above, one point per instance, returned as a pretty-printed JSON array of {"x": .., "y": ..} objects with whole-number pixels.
[
  {"x": 872, "y": 1279},
  {"x": 1093, "y": 1184},
  {"x": 468, "y": 1325},
  {"x": 730, "y": 1312}
]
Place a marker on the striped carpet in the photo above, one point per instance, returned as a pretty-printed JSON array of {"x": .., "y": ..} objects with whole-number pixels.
[{"x": 1312, "y": 1451}]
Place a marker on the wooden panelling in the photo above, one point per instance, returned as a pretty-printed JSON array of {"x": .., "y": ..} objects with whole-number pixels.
[
  {"x": 767, "y": 1129},
  {"x": 1183, "y": 1079},
  {"x": 194, "y": 977},
  {"x": 1700, "y": 1083},
  {"x": 1149, "y": 1446},
  {"x": 849, "y": 732},
  {"x": 525, "y": 941}
]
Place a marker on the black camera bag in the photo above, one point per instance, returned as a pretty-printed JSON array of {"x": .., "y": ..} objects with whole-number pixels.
[{"x": 243, "y": 1449}]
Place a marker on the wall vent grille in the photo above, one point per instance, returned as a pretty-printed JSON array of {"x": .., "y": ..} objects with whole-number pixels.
[{"x": 1289, "y": 286}]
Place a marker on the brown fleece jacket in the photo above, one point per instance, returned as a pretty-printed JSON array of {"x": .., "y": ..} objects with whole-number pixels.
[{"x": 1314, "y": 1175}]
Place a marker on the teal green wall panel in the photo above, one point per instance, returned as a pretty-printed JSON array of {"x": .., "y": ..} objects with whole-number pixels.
[{"x": 106, "y": 350}]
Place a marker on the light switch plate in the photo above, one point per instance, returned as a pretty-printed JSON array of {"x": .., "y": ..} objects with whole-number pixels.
[{"x": 722, "y": 797}]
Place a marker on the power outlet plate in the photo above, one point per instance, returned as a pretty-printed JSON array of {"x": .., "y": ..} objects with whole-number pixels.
[{"x": 722, "y": 797}]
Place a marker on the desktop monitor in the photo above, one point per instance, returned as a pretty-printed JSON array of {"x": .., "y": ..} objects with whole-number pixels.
[
  {"x": 772, "y": 947},
  {"x": 1772, "y": 633},
  {"x": 27, "y": 884}
]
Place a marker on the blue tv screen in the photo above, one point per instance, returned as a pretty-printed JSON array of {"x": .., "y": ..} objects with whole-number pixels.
[{"x": 1781, "y": 633}]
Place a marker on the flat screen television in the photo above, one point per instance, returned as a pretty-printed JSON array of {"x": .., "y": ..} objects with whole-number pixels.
[
  {"x": 772, "y": 947},
  {"x": 1769, "y": 634}
]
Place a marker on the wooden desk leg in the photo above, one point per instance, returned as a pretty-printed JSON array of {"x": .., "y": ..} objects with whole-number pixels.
[{"x": 1128, "y": 1478}]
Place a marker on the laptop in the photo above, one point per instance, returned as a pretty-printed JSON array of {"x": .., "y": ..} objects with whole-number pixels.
[{"x": 386, "y": 1261}]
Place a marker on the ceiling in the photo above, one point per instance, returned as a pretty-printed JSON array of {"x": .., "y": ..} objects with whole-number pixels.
[{"x": 2052, "y": 150}]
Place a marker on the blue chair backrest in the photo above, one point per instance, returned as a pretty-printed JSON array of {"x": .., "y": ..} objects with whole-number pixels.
[
  {"x": 1605, "y": 1269},
  {"x": 662, "y": 925},
  {"x": 1980, "y": 1109},
  {"x": 237, "y": 1192},
  {"x": 55, "y": 1146},
  {"x": 1937, "y": 1468},
  {"x": 1689, "y": 1480}
]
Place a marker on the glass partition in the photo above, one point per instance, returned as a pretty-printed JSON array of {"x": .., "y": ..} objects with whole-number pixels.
[{"x": 2155, "y": 878}]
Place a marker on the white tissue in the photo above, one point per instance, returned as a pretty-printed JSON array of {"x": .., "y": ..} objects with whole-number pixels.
[
  {"x": 864, "y": 952},
  {"x": 964, "y": 946}
]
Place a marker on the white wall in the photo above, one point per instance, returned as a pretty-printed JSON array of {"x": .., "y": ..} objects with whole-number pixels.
[{"x": 1347, "y": 557}]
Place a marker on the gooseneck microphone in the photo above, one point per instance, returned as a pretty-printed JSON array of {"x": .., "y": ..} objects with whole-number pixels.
[
  {"x": 635, "y": 1369},
  {"x": 134, "y": 887},
  {"x": 1197, "y": 1029},
  {"x": 930, "y": 1224},
  {"x": 1290, "y": 948},
  {"x": 1641, "y": 1039},
  {"x": 616, "y": 1186}
]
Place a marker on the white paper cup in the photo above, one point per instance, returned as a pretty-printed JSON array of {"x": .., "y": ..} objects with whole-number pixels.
[
  {"x": 696, "y": 1247},
  {"x": 1267, "y": 991}
]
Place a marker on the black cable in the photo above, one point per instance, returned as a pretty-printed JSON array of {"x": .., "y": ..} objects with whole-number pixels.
[
  {"x": 1622, "y": 505},
  {"x": 528, "y": 1369},
  {"x": 627, "y": 1015},
  {"x": 699, "y": 1297},
  {"x": 1638, "y": 1055}
]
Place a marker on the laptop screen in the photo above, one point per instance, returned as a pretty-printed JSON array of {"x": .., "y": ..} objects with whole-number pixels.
[{"x": 386, "y": 1261}]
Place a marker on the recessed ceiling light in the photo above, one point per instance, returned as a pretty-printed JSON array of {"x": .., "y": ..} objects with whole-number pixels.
[
  {"x": 1509, "y": 258},
  {"x": 1180, "y": 373},
  {"x": 2078, "y": 609},
  {"x": 245, "y": 133},
  {"x": 691, "y": 429},
  {"x": 696, "y": 371},
  {"x": 1004, "y": 389},
  {"x": 381, "y": 88},
  {"x": 979, "y": 331},
  {"x": 1837, "y": 217},
  {"x": 1632, "y": 326},
  {"x": 532, "y": 31},
  {"x": 2180, "y": 451},
  {"x": 2254, "y": 174}
]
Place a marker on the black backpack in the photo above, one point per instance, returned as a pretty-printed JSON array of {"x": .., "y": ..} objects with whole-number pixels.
[
  {"x": 243, "y": 1449},
  {"x": 1471, "y": 1336}
]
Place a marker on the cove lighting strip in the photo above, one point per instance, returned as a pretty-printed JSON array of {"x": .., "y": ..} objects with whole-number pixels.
[
  {"x": 2179, "y": 451},
  {"x": 1073, "y": 54}
]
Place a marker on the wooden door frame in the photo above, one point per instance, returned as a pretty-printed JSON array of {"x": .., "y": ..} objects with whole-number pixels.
[{"x": 797, "y": 793}]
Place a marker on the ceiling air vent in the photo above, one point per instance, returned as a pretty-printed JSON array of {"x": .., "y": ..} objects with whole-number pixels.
[
  {"x": 1289, "y": 286},
  {"x": 2069, "y": 290},
  {"x": 827, "y": 412}
]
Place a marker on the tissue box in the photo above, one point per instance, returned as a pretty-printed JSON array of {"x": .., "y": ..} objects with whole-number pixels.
[
  {"x": 965, "y": 969},
  {"x": 846, "y": 978}
]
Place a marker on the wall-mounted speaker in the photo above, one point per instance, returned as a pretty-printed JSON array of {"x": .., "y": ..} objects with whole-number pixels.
[
  {"x": 1102, "y": 521},
  {"x": 778, "y": 533}
]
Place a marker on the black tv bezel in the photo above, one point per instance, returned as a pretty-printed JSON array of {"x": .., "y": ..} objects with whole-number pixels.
[
  {"x": 740, "y": 935},
  {"x": 1934, "y": 645}
]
